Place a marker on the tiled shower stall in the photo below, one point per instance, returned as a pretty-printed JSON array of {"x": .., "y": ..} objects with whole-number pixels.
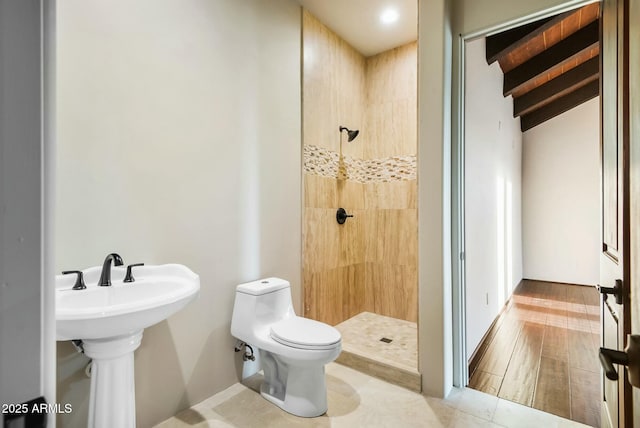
[{"x": 361, "y": 275}]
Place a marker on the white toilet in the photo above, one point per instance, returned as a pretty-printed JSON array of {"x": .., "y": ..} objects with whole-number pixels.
[{"x": 293, "y": 350}]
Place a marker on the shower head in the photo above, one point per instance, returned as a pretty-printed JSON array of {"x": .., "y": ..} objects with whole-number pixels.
[{"x": 351, "y": 134}]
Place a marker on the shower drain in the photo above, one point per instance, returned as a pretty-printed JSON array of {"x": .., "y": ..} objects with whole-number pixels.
[{"x": 386, "y": 340}]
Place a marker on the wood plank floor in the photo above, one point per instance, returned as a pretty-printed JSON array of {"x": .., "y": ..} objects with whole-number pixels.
[{"x": 544, "y": 352}]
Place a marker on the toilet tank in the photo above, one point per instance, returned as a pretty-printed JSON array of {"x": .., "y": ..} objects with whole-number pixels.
[{"x": 259, "y": 304}]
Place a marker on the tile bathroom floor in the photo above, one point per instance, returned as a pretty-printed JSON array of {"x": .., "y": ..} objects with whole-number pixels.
[{"x": 358, "y": 400}]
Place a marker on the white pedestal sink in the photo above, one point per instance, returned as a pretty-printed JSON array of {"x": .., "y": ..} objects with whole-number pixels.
[{"x": 110, "y": 321}]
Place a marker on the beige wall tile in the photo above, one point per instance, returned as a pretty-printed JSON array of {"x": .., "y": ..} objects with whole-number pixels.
[
  {"x": 320, "y": 235},
  {"x": 309, "y": 308},
  {"x": 335, "y": 295},
  {"x": 351, "y": 195},
  {"x": 320, "y": 192},
  {"x": 392, "y": 236},
  {"x": 327, "y": 244},
  {"x": 328, "y": 295},
  {"x": 334, "y": 91},
  {"x": 356, "y": 281},
  {"x": 391, "y": 129},
  {"x": 393, "y": 72},
  {"x": 350, "y": 237},
  {"x": 391, "y": 115},
  {"x": 391, "y": 195},
  {"x": 395, "y": 290}
]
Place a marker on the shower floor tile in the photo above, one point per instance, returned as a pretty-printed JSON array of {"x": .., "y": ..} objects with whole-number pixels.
[{"x": 383, "y": 347}]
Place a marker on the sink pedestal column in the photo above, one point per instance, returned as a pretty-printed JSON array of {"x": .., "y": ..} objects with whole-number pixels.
[{"x": 112, "y": 402}]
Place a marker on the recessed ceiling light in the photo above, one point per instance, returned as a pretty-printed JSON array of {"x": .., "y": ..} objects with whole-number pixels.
[{"x": 389, "y": 16}]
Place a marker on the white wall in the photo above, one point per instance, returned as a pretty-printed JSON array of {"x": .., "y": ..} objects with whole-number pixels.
[
  {"x": 26, "y": 313},
  {"x": 493, "y": 225},
  {"x": 561, "y": 197},
  {"x": 20, "y": 189},
  {"x": 179, "y": 141},
  {"x": 481, "y": 15},
  {"x": 435, "y": 358}
]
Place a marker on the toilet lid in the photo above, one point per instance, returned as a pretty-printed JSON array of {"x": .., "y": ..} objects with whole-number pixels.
[{"x": 304, "y": 333}]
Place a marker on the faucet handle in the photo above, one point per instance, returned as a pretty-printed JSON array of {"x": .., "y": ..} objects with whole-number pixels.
[
  {"x": 129, "y": 276},
  {"x": 79, "y": 285}
]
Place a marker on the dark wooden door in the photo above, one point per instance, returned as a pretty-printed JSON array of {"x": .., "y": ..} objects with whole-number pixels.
[{"x": 614, "y": 259}]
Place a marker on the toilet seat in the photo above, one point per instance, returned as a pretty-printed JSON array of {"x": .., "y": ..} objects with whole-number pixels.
[{"x": 304, "y": 333}]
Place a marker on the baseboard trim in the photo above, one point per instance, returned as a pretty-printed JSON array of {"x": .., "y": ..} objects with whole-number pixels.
[
  {"x": 486, "y": 340},
  {"x": 558, "y": 282}
]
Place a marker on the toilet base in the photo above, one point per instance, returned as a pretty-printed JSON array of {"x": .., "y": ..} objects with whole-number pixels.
[{"x": 301, "y": 391}]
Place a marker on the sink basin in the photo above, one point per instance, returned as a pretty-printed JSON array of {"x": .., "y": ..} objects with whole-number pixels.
[
  {"x": 108, "y": 322},
  {"x": 123, "y": 308}
]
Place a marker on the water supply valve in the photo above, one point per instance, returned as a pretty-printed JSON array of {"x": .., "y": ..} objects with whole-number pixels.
[{"x": 248, "y": 351}]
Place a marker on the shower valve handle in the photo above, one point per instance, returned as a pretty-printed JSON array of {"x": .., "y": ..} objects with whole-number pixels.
[{"x": 341, "y": 215}]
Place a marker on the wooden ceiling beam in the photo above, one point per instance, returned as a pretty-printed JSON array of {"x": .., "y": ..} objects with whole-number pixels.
[
  {"x": 560, "y": 106},
  {"x": 501, "y": 44},
  {"x": 562, "y": 52},
  {"x": 562, "y": 85}
]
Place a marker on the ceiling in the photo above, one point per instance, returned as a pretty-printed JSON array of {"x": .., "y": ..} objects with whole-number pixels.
[
  {"x": 550, "y": 66},
  {"x": 358, "y": 22}
]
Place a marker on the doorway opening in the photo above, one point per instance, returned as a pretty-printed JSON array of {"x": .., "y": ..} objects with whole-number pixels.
[{"x": 531, "y": 213}]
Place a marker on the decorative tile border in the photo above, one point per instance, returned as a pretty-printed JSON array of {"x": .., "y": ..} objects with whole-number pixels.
[{"x": 327, "y": 163}]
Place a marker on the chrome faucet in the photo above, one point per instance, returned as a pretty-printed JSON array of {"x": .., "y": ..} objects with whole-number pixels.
[{"x": 105, "y": 275}]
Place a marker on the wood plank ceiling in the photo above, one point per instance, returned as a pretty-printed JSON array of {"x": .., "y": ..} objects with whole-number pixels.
[{"x": 550, "y": 66}]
